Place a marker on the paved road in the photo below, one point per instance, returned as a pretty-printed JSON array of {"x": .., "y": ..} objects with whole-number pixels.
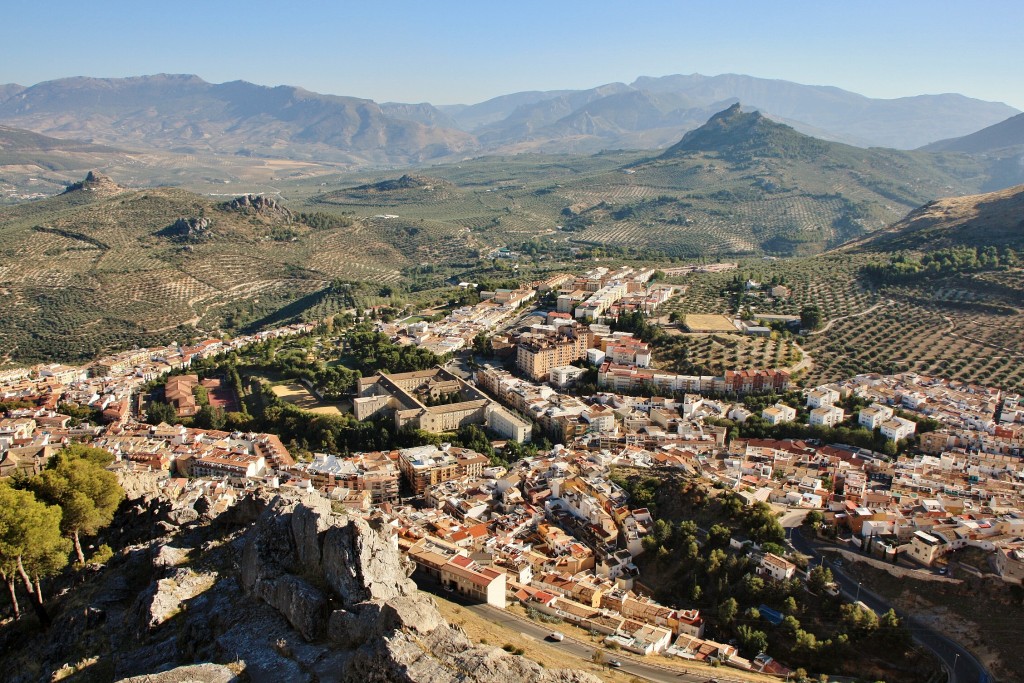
[
  {"x": 951, "y": 653},
  {"x": 580, "y": 650}
]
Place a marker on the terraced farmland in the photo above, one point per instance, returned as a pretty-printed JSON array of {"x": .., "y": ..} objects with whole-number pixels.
[
  {"x": 966, "y": 328},
  {"x": 713, "y": 354}
]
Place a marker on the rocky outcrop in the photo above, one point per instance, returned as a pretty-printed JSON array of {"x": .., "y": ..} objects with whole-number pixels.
[
  {"x": 166, "y": 597},
  {"x": 95, "y": 183},
  {"x": 194, "y": 229},
  {"x": 367, "y": 603},
  {"x": 261, "y": 206},
  {"x": 278, "y": 589},
  {"x": 196, "y": 673},
  {"x": 447, "y": 655}
]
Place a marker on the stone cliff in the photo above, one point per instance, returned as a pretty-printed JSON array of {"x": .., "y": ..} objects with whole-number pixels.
[{"x": 266, "y": 589}]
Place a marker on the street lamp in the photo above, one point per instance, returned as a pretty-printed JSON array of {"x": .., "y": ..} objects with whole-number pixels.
[
  {"x": 858, "y": 592},
  {"x": 956, "y": 658}
]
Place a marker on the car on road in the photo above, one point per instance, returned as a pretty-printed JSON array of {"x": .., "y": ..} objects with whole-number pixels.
[
  {"x": 615, "y": 664},
  {"x": 555, "y": 636}
]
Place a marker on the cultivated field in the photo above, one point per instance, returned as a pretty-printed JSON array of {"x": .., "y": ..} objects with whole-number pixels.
[{"x": 965, "y": 327}]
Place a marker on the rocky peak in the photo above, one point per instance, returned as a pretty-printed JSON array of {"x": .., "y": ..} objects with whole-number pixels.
[{"x": 96, "y": 183}]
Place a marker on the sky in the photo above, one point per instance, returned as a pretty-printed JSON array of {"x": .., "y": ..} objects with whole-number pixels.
[{"x": 467, "y": 52}]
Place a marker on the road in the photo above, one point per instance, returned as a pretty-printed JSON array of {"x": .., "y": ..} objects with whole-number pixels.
[
  {"x": 584, "y": 651},
  {"x": 961, "y": 664}
]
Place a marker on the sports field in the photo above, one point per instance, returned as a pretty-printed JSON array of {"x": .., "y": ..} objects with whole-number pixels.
[
  {"x": 298, "y": 395},
  {"x": 699, "y": 322}
]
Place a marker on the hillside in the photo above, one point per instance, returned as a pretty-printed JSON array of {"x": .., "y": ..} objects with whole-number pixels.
[
  {"x": 742, "y": 183},
  {"x": 994, "y": 219},
  {"x": 30, "y": 162},
  {"x": 1003, "y": 135},
  {"x": 101, "y": 266},
  {"x": 739, "y": 184},
  {"x": 1001, "y": 144}
]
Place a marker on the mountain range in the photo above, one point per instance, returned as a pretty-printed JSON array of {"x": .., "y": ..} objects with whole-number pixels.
[{"x": 185, "y": 114}]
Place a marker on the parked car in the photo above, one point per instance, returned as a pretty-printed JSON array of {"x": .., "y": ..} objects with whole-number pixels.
[{"x": 556, "y": 636}]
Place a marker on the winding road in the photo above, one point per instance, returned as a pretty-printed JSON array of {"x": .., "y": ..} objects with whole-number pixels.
[{"x": 960, "y": 664}]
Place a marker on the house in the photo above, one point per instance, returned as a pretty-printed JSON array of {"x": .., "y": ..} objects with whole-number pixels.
[
  {"x": 925, "y": 547},
  {"x": 776, "y": 567},
  {"x": 822, "y": 396}
]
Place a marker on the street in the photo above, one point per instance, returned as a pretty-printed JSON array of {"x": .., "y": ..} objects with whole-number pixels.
[
  {"x": 572, "y": 648},
  {"x": 961, "y": 664}
]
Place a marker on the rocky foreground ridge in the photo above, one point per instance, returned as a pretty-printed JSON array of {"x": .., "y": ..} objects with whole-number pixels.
[{"x": 268, "y": 589}]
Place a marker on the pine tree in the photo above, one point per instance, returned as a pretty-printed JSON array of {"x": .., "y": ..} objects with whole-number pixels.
[{"x": 87, "y": 494}]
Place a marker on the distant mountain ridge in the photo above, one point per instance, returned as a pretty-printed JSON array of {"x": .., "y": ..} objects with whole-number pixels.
[{"x": 184, "y": 113}]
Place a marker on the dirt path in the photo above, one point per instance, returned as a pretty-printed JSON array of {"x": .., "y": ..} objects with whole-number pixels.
[{"x": 830, "y": 323}]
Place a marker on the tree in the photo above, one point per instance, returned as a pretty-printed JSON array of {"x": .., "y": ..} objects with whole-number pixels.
[
  {"x": 727, "y": 611},
  {"x": 87, "y": 495},
  {"x": 752, "y": 641},
  {"x": 819, "y": 578},
  {"x": 814, "y": 518},
  {"x": 158, "y": 411},
  {"x": 31, "y": 545},
  {"x": 810, "y": 317}
]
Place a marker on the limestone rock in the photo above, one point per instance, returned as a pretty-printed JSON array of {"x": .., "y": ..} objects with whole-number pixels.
[
  {"x": 447, "y": 655},
  {"x": 196, "y": 673},
  {"x": 165, "y": 597},
  {"x": 168, "y": 556},
  {"x": 305, "y": 607}
]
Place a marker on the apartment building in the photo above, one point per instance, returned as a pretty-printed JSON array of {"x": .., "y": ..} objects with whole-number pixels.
[{"x": 536, "y": 355}]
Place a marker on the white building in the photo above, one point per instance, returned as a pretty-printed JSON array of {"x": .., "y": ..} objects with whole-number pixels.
[
  {"x": 818, "y": 398},
  {"x": 827, "y": 416},
  {"x": 777, "y": 567},
  {"x": 898, "y": 428},
  {"x": 564, "y": 375},
  {"x": 778, "y": 413},
  {"x": 874, "y": 415}
]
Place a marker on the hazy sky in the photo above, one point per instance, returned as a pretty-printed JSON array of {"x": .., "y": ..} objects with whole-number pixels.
[{"x": 449, "y": 52}]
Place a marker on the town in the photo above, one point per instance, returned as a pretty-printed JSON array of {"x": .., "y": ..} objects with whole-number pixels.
[{"x": 553, "y": 529}]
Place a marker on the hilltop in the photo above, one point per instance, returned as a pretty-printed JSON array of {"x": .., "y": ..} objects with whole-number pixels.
[
  {"x": 740, "y": 136},
  {"x": 1002, "y": 144}
]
